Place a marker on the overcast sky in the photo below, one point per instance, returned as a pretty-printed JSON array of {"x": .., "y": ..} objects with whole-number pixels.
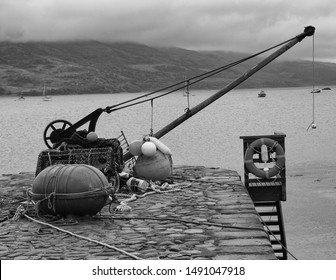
[{"x": 245, "y": 26}]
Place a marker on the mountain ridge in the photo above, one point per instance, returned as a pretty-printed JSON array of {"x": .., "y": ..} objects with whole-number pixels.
[{"x": 76, "y": 67}]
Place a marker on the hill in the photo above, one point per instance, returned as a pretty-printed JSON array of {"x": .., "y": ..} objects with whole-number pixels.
[{"x": 95, "y": 67}]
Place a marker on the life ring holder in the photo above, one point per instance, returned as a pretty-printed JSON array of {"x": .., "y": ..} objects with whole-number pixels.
[{"x": 280, "y": 155}]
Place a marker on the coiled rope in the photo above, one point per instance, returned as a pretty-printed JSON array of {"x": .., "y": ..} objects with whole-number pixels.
[{"x": 164, "y": 188}]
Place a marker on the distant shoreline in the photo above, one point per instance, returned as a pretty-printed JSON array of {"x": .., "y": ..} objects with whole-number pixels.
[
  {"x": 90, "y": 67},
  {"x": 61, "y": 92}
]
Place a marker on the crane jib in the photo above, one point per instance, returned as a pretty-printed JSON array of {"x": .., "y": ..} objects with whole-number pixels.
[{"x": 93, "y": 117}]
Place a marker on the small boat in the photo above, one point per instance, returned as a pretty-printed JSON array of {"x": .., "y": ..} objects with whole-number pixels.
[
  {"x": 45, "y": 96},
  {"x": 315, "y": 90},
  {"x": 326, "y": 88},
  {"x": 262, "y": 94},
  {"x": 21, "y": 98}
]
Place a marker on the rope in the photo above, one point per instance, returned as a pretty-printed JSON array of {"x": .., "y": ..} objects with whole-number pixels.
[
  {"x": 268, "y": 150},
  {"x": 199, "y": 180},
  {"x": 123, "y": 207},
  {"x": 283, "y": 246},
  {"x": 181, "y": 85},
  {"x": 271, "y": 157},
  {"x": 163, "y": 189},
  {"x": 79, "y": 236},
  {"x": 152, "y": 117},
  {"x": 188, "y": 95},
  {"x": 53, "y": 185},
  {"x": 156, "y": 189},
  {"x": 181, "y": 221},
  {"x": 21, "y": 212},
  {"x": 312, "y": 124}
]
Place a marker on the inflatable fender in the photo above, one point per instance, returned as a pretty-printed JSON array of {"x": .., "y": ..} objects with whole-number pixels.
[
  {"x": 135, "y": 147},
  {"x": 160, "y": 146}
]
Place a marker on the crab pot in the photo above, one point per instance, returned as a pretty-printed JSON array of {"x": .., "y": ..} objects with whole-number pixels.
[{"x": 76, "y": 189}]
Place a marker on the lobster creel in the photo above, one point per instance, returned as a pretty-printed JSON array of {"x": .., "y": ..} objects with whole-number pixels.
[{"x": 76, "y": 189}]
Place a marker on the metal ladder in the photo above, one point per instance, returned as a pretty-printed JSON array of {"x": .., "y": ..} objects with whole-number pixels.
[
  {"x": 271, "y": 215},
  {"x": 267, "y": 195}
]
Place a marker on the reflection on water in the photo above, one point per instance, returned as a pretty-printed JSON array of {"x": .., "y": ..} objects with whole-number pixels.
[{"x": 210, "y": 138}]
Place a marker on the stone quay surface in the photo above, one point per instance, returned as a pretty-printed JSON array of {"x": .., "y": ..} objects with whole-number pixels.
[{"x": 211, "y": 216}]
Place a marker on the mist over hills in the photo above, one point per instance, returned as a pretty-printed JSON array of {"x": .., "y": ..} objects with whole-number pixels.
[{"x": 94, "y": 67}]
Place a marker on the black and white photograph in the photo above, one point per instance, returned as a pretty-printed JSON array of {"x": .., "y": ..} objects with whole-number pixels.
[{"x": 138, "y": 132}]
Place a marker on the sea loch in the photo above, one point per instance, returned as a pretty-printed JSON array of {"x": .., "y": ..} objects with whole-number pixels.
[{"x": 210, "y": 138}]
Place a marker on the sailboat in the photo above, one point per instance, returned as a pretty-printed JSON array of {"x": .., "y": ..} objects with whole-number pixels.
[
  {"x": 45, "y": 97},
  {"x": 21, "y": 98}
]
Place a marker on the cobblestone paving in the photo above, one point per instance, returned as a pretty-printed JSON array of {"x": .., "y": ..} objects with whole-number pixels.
[{"x": 214, "y": 218}]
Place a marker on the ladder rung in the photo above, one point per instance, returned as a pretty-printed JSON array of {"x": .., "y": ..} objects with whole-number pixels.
[
  {"x": 275, "y": 232},
  {"x": 261, "y": 204},
  {"x": 272, "y": 223},
  {"x": 278, "y": 250},
  {"x": 275, "y": 242},
  {"x": 268, "y": 213}
]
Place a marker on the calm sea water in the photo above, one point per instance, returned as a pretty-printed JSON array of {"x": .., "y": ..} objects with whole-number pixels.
[{"x": 210, "y": 138}]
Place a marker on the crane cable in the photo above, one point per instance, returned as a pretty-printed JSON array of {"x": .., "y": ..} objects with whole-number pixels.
[
  {"x": 312, "y": 124},
  {"x": 193, "y": 80}
]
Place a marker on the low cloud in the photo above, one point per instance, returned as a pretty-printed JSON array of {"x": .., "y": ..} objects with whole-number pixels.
[{"x": 243, "y": 26}]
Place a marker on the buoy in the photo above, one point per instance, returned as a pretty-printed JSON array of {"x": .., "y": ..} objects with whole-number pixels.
[
  {"x": 162, "y": 147},
  {"x": 92, "y": 136},
  {"x": 148, "y": 149},
  {"x": 77, "y": 189},
  {"x": 252, "y": 149},
  {"x": 156, "y": 168},
  {"x": 135, "y": 147}
]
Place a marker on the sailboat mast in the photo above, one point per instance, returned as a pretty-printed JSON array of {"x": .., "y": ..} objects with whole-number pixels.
[{"x": 308, "y": 31}]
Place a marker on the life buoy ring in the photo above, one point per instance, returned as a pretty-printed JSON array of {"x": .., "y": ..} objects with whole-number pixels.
[{"x": 279, "y": 164}]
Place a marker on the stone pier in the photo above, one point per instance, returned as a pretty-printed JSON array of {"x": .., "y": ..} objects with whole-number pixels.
[{"x": 209, "y": 216}]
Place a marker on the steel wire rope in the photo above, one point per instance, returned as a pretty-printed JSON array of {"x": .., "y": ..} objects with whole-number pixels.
[
  {"x": 279, "y": 242},
  {"x": 199, "y": 78},
  {"x": 312, "y": 124}
]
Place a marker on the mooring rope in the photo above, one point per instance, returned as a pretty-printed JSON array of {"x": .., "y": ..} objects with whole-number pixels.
[
  {"x": 280, "y": 243},
  {"x": 123, "y": 207},
  {"x": 181, "y": 221},
  {"x": 21, "y": 212},
  {"x": 156, "y": 190}
]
